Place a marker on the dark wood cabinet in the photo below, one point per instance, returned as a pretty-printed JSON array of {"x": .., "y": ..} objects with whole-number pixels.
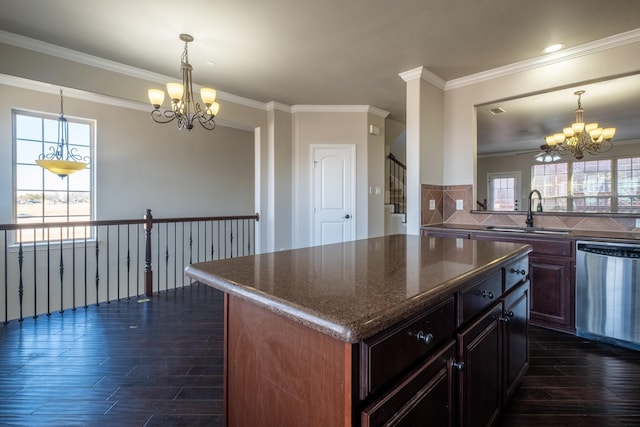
[
  {"x": 515, "y": 323},
  {"x": 462, "y": 382},
  {"x": 551, "y": 273},
  {"x": 494, "y": 351},
  {"x": 479, "y": 386},
  {"x": 425, "y": 397},
  {"x": 552, "y": 292}
]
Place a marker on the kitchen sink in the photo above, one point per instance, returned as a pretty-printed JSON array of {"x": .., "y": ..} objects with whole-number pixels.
[{"x": 528, "y": 230}]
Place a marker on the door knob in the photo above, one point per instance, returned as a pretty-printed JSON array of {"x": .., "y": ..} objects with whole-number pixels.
[{"x": 347, "y": 216}]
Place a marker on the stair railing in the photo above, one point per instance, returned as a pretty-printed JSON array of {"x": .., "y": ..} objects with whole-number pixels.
[
  {"x": 397, "y": 184},
  {"x": 48, "y": 267}
]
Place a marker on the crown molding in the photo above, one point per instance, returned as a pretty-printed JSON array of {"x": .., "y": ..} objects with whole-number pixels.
[
  {"x": 105, "y": 64},
  {"x": 339, "y": 109},
  {"x": 270, "y": 106},
  {"x": 98, "y": 98},
  {"x": 424, "y": 74},
  {"x": 607, "y": 43}
]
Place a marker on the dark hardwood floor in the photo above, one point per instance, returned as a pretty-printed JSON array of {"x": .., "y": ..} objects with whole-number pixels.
[{"x": 159, "y": 363}]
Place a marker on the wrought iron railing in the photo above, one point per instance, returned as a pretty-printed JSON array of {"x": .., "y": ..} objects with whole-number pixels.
[
  {"x": 397, "y": 184},
  {"x": 48, "y": 267}
]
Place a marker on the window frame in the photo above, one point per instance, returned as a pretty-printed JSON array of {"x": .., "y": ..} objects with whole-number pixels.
[
  {"x": 43, "y": 188},
  {"x": 613, "y": 183}
]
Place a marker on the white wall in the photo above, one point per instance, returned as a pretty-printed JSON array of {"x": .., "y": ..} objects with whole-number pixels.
[
  {"x": 140, "y": 164},
  {"x": 328, "y": 128}
]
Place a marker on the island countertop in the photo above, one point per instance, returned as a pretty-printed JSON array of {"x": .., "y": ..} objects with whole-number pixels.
[{"x": 355, "y": 289}]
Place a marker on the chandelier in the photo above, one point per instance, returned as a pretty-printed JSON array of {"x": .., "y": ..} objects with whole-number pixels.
[
  {"x": 580, "y": 137},
  {"x": 61, "y": 159},
  {"x": 547, "y": 155},
  {"x": 184, "y": 109}
]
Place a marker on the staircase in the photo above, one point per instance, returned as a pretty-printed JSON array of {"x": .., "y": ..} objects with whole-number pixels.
[{"x": 396, "y": 199}]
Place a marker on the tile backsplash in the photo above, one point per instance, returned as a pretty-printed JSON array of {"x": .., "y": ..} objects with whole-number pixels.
[{"x": 445, "y": 211}]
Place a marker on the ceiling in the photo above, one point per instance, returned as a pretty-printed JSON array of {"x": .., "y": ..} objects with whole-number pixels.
[
  {"x": 527, "y": 120},
  {"x": 329, "y": 52}
]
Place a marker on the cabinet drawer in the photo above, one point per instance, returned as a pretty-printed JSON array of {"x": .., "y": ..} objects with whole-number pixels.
[
  {"x": 423, "y": 395},
  {"x": 476, "y": 298},
  {"x": 385, "y": 356},
  {"x": 515, "y": 273}
]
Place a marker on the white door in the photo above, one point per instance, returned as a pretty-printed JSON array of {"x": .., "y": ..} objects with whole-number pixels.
[
  {"x": 503, "y": 189},
  {"x": 333, "y": 194}
]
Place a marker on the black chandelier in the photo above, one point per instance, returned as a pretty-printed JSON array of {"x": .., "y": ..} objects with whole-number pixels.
[{"x": 184, "y": 109}]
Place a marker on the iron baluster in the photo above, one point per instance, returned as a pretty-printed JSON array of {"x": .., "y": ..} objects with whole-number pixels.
[
  {"x": 61, "y": 269},
  {"x": 108, "y": 267},
  {"x": 118, "y": 261},
  {"x": 86, "y": 277},
  {"x": 21, "y": 284},
  {"x": 128, "y": 262},
  {"x": 166, "y": 257},
  {"x": 6, "y": 280},
  {"x": 97, "y": 251},
  {"x": 35, "y": 277},
  {"x": 73, "y": 268},
  {"x": 48, "y": 272}
]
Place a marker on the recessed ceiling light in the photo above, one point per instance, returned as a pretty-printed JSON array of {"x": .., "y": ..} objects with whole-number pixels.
[
  {"x": 553, "y": 48},
  {"x": 498, "y": 110},
  {"x": 211, "y": 62}
]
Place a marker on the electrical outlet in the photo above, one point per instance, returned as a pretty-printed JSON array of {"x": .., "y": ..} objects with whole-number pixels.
[
  {"x": 432, "y": 205},
  {"x": 459, "y": 205}
]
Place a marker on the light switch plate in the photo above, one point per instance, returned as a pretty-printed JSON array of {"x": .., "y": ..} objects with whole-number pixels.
[
  {"x": 637, "y": 222},
  {"x": 459, "y": 205},
  {"x": 432, "y": 205}
]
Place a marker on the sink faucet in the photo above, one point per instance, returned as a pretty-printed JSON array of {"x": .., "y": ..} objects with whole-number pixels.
[{"x": 529, "y": 221}]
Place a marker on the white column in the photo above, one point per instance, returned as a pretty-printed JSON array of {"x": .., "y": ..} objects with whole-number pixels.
[{"x": 425, "y": 105}]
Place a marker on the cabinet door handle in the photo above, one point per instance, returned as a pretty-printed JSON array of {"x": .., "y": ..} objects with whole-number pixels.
[
  {"x": 507, "y": 316},
  {"x": 487, "y": 294},
  {"x": 458, "y": 365},
  {"x": 515, "y": 270},
  {"x": 421, "y": 336}
]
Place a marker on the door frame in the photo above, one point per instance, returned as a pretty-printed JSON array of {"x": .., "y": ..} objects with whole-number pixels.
[{"x": 312, "y": 199}]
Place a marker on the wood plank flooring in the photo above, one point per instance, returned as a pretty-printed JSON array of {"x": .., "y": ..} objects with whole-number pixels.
[{"x": 159, "y": 363}]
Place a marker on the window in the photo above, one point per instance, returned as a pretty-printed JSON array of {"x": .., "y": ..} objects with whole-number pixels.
[
  {"x": 589, "y": 186},
  {"x": 551, "y": 180},
  {"x": 504, "y": 188},
  {"x": 628, "y": 184},
  {"x": 41, "y": 196}
]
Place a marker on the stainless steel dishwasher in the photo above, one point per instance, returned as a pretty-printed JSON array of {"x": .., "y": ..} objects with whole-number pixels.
[{"x": 608, "y": 292}]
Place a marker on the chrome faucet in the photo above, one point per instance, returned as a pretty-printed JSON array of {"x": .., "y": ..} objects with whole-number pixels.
[{"x": 529, "y": 221}]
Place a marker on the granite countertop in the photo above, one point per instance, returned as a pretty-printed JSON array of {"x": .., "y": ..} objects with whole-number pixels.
[
  {"x": 596, "y": 235},
  {"x": 355, "y": 289}
]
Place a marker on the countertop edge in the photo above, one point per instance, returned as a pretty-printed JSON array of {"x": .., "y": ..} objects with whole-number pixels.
[{"x": 360, "y": 329}]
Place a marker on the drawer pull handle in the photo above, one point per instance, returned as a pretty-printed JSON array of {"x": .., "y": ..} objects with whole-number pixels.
[
  {"x": 458, "y": 365},
  {"x": 507, "y": 316},
  {"x": 421, "y": 336},
  {"x": 515, "y": 270},
  {"x": 487, "y": 294}
]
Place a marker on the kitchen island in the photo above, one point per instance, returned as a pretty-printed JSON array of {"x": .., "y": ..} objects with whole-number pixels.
[{"x": 372, "y": 331}]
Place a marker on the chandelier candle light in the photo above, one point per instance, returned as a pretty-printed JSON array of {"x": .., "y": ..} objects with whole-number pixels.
[
  {"x": 183, "y": 106},
  {"x": 580, "y": 137},
  {"x": 61, "y": 159}
]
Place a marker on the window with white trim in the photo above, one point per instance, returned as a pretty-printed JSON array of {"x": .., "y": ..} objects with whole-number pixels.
[
  {"x": 39, "y": 195},
  {"x": 589, "y": 186}
]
